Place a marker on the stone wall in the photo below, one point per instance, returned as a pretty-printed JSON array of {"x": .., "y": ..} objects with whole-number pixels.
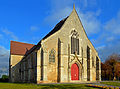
[
  {"x": 61, "y": 71},
  {"x": 38, "y": 66},
  {"x": 14, "y": 67}
]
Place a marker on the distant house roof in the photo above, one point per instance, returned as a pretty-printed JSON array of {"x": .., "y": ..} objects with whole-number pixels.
[{"x": 19, "y": 48}]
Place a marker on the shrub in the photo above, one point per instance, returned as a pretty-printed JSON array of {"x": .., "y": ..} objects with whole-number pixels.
[
  {"x": 117, "y": 88},
  {"x": 111, "y": 87},
  {"x": 4, "y": 78},
  {"x": 107, "y": 88}
]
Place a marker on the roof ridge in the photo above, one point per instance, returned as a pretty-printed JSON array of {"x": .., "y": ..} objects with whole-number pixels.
[
  {"x": 56, "y": 27},
  {"x": 22, "y": 42}
]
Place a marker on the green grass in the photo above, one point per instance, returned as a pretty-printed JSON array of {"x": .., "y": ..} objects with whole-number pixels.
[
  {"x": 43, "y": 86},
  {"x": 111, "y": 83}
]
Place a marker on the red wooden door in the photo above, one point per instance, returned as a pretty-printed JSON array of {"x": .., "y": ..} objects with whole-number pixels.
[{"x": 74, "y": 72}]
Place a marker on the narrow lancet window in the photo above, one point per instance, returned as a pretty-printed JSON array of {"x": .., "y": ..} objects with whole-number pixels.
[
  {"x": 74, "y": 42},
  {"x": 52, "y": 56}
]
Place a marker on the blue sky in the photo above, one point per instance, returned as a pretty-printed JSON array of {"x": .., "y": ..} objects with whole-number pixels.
[{"x": 30, "y": 20}]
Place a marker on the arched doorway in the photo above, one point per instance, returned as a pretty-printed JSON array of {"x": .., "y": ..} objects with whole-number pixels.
[{"x": 74, "y": 72}]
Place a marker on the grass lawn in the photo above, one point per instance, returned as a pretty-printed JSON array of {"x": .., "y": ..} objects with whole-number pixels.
[
  {"x": 43, "y": 86},
  {"x": 111, "y": 83}
]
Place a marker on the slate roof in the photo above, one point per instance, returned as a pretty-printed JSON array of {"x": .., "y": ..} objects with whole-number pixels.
[
  {"x": 19, "y": 48},
  {"x": 56, "y": 28}
]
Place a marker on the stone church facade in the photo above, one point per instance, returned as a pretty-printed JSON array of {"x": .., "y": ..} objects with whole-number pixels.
[{"x": 64, "y": 55}]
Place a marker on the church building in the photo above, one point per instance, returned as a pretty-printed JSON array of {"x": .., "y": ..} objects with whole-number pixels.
[{"x": 64, "y": 55}]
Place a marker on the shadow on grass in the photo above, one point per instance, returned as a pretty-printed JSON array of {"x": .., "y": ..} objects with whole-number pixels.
[
  {"x": 43, "y": 86},
  {"x": 66, "y": 86}
]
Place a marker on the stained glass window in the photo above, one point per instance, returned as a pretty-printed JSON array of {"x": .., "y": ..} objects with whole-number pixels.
[
  {"x": 52, "y": 56},
  {"x": 74, "y": 42}
]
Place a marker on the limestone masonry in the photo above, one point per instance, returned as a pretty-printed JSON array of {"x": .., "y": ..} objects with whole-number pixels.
[{"x": 64, "y": 55}]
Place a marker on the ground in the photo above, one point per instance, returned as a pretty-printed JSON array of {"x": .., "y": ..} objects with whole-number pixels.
[
  {"x": 43, "y": 86},
  {"x": 58, "y": 86},
  {"x": 115, "y": 83}
]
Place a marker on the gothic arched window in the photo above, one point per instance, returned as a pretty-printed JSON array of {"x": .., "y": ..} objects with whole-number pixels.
[
  {"x": 74, "y": 42},
  {"x": 52, "y": 56}
]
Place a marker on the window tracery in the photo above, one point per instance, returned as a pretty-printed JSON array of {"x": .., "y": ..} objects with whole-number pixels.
[
  {"x": 52, "y": 56},
  {"x": 74, "y": 42}
]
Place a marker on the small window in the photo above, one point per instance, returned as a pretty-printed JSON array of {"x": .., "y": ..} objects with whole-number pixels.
[{"x": 52, "y": 56}]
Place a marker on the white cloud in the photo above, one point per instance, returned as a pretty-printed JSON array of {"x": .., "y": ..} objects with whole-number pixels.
[
  {"x": 90, "y": 22},
  {"x": 105, "y": 33},
  {"x": 100, "y": 47},
  {"x": 55, "y": 17},
  {"x": 110, "y": 48},
  {"x": 89, "y": 19},
  {"x": 4, "y": 60},
  {"x": 1, "y": 36},
  {"x": 113, "y": 25},
  {"x": 11, "y": 34},
  {"x": 4, "y": 57},
  {"x": 60, "y": 4},
  {"x": 34, "y": 28},
  {"x": 111, "y": 38},
  {"x": 85, "y": 3}
]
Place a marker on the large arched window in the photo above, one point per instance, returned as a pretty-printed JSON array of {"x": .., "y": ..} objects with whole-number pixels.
[
  {"x": 74, "y": 42},
  {"x": 52, "y": 56}
]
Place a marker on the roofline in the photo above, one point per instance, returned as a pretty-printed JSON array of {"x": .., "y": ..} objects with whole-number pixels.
[
  {"x": 84, "y": 30},
  {"x": 46, "y": 36},
  {"x": 17, "y": 54},
  {"x": 21, "y": 42},
  {"x": 39, "y": 43}
]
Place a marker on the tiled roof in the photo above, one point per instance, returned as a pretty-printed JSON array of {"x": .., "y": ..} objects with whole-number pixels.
[{"x": 19, "y": 48}]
